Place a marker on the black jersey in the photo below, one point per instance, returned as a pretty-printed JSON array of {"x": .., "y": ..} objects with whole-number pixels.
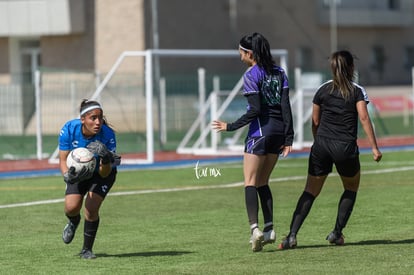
[{"x": 339, "y": 118}]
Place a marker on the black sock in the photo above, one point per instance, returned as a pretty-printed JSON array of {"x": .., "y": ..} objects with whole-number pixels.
[
  {"x": 252, "y": 205},
  {"x": 345, "y": 206},
  {"x": 266, "y": 201},
  {"x": 75, "y": 219},
  {"x": 89, "y": 233},
  {"x": 303, "y": 207}
]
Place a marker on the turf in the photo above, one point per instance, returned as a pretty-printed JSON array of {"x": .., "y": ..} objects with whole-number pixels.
[{"x": 169, "y": 222}]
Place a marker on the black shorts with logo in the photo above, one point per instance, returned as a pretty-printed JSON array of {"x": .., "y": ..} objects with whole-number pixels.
[
  {"x": 264, "y": 145},
  {"x": 96, "y": 184},
  {"x": 325, "y": 152}
]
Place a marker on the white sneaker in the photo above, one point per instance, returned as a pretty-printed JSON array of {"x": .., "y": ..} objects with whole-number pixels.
[
  {"x": 269, "y": 237},
  {"x": 256, "y": 240}
]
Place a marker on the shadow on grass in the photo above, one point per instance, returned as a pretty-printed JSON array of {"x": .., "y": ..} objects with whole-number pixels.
[
  {"x": 362, "y": 243},
  {"x": 144, "y": 254},
  {"x": 375, "y": 242}
]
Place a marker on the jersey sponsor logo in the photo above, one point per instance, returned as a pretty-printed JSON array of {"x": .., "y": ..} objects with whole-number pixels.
[
  {"x": 271, "y": 89},
  {"x": 104, "y": 188}
]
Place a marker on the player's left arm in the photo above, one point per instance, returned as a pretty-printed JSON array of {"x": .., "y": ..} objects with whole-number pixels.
[
  {"x": 105, "y": 166},
  {"x": 109, "y": 144},
  {"x": 105, "y": 169},
  {"x": 287, "y": 117},
  {"x": 369, "y": 130}
]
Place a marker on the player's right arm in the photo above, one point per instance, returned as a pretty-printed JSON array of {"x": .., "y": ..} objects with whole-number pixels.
[
  {"x": 64, "y": 147},
  {"x": 62, "y": 161},
  {"x": 316, "y": 118}
]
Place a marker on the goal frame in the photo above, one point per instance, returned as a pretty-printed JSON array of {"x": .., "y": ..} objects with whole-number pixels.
[{"x": 149, "y": 66}]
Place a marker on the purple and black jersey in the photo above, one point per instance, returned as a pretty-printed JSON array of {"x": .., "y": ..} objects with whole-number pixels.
[{"x": 268, "y": 110}]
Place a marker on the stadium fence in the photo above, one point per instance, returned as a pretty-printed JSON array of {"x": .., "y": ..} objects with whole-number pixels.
[{"x": 172, "y": 113}]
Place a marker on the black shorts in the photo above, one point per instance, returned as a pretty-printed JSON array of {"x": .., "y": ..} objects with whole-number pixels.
[
  {"x": 325, "y": 152},
  {"x": 96, "y": 184},
  {"x": 264, "y": 145}
]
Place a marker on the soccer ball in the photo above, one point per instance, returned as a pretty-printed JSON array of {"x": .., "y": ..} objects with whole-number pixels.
[{"x": 81, "y": 157}]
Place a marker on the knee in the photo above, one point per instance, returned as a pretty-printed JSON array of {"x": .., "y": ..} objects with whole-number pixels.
[
  {"x": 72, "y": 207},
  {"x": 91, "y": 214},
  {"x": 72, "y": 211},
  {"x": 91, "y": 211}
]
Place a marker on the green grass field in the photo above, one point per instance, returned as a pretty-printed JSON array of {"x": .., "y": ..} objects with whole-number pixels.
[{"x": 169, "y": 222}]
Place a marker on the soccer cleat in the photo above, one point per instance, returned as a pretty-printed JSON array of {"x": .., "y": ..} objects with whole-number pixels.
[
  {"x": 335, "y": 238},
  {"x": 87, "y": 254},
  {"x": 69, "y": 232},
  {"x": 256, "y": 240},
  {"x": 269, "y": 237},
  {"x": 288, "y": 242}
]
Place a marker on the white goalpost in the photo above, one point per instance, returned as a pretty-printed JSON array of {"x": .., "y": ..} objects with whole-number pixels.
[
  {"x": 204, "y": 105},
  {"x": 149, "y": 156}
]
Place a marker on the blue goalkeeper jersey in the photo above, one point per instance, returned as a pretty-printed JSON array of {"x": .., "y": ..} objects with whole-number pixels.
[{"x": 71, "y": 136}]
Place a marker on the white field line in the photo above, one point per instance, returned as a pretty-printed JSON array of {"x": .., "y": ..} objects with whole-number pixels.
[{"x": 190, "y": 188}]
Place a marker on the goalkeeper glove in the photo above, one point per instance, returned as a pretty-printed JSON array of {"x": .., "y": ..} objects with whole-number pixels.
[
  {"x": 99, "y": 149},
  {"x": 71, "y": 176},
  {"x": 115, "y": 159}
]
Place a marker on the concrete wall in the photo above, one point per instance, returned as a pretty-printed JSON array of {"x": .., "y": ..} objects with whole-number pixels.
[
  {"x": 290, "y": 25},
  {"x": 119, "y": 27},
  {"x": 113, "y": 26}
]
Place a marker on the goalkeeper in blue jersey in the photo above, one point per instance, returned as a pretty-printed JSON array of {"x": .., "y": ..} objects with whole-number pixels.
[{"x": 90, "y": 131}]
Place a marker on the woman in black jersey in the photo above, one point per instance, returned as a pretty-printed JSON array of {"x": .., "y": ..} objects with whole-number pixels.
[
  {"x": 270, "y": 131},
  {"x": 336, "y": 107}
]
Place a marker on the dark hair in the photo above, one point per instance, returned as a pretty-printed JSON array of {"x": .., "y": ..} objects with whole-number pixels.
[
  {"x": 260, "y": 47},
  {"x": 85, "y": 104},
  {"x": 342, "y": 66}
]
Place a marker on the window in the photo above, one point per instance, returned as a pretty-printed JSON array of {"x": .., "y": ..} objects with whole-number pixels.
[
  {"x": 393, "y": 4},
  {"x": 305, "y": 58},
  {"x": 378, "y": 59},
  {"x": 409, "y": 57},
  {"x": 30, "y": 59}
]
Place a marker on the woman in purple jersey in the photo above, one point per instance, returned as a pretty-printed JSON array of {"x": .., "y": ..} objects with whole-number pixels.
[
  {"x": 336, "y": 107},
  {"x": 90, "y": 131},
  {"x": 270, "y": 131}
]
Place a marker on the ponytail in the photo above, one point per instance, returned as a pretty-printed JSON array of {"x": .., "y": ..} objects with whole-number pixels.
[
  {"x": 342, "y": 67},
  {"x": 260, "y": 47}
]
